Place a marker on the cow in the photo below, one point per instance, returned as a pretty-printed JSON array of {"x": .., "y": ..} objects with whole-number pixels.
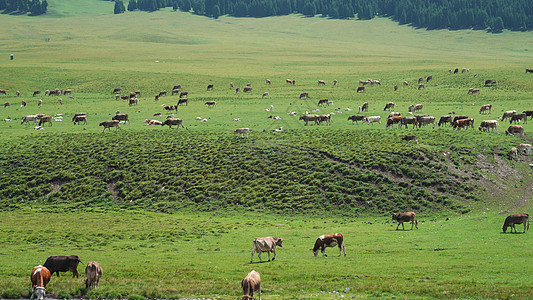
[
  {"x": 241, "y": 131},
  {"x": 335, "y": 82},
  {"x": 513, "y": 153},
  {"x": 395, "y": 87},
  {"x": 321, "y": 82},
  {"x": 211, "y": 103},
  {"x": 109, "y": 124},
  {"x": 418, "y": 107},
  {"x": 389, "y": 106},
  {"x": 250, "y": 284},
  {"x": 421, "y": 86},
  {"x": 394, "y": 120},
  {"x": 405, "y": 83},
  {"x": 163, "y": 93},
  {"x": 121, "y": 117},
  {"x": 36, "y": 93},
  {"x": 459, "y": 117},
  {"x": 183, "y": 101},
  {"x": 514, "y": 129},
  {"x": 421, "y": 79},
  {"x": 408, "y": 120},
  {"x": 517, "y": 117},
  {"x": 507, "y": 114},
  {"x": 173, "y": 122},
  {"x": 486, "y": 108},
  {"x": 324, "y": 118},
  {"x": 410, "y": 138},
  {"x": 529, "y": 70},
  {"x": 153, "y": 122},
  {"x": 511, "y": 220},
  {"x": 489, "y": 124},
  {"x": 45, "y": 119},
  {"x": 186, "y": 94},
  {"x": 524, "y": 149},
  {"x": 247, "y": 89},
  {"x": 116, "y": 90},
  {"x": 423, "y": 121},
  {"x": 40, "y": 102},
  {"x": 394, "y": 114},
  {"x": 237, "y": 90},
  {"x": 289, "y": 81},
  {"x": 177, "y": 87},
  {"x": 360, "y": 89},
  {"x": 304, "y": 95},
  {"x": 529, "y": 113},
  {"x": 210, "y": 87},
  {"x": 67, "y": 91},
  {"x": 64, "y": 263},
  {"x": 29, "y": 118},
  {"x": 308, "y": 118},
  {"x": 156, "y": 97},
  {"x": 23, "y": 104},
  {"x": 323, "y": 102},
  {"x": 356, "y": 118},
  {"x": 126, "y": 97},
  {"x": 267, "y": 82},
  {"x": 463, "y": 123},
  {"x": 7, "y": 104},
  {"x": 47, "y": 92},
  {"x": 329, "y": 240},
  {"x": 265, "y": 94},
  {"x": 81, "y": 118},
  {"x": 429, "y": 78},
  {"x": 93, "y": 271},
  {"x": 372, "y": 120},
  {"x": 405, "y": 217},
  {"x": 456, "y": 71},
  {"x": 265, "y": 244},
  {"x": 445, "y": 119},
  {"x": 174, "y": 91},
  {"x": 490, "y": 82},
  {"x": 171, "y": 107},
  {"x": 364, "y": 107},
  {"x": 40, "y": 276},
  {"x": 133, "y": 101},
  {"x": 473, "y": 91}
]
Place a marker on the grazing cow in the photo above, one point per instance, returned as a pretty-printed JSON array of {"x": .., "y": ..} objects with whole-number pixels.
[
  {"x": 489, "y": 124},
  {"x": 183, "y": 101},
  {"x": 56, "y": 92},
  {"x": 247, "y": 89},
  {"x": 360, "y": 89},
  {"x": 40, "y": 102},
  {"x": 518, "y": 117},
  {"x": 211, "y": 103},
  {"x": 464, "y": 123},
  {"x": 77, "y": 115},
  {"x": 529, "y": 113},
  {"x": 323, "y": 102},
  {"x": 304, "y": 95},
  {"x": 524, "y": 149},
  {"x": 364, "y": 107},
  {"x": 265, "y": 244},
  {"x": 421, "y": 79},
  {"x": 445, "y": 119},
  {"x": 67, "y": 91},
  {"x": 29, "y": 118},
  {"x": 241, "y": 131},
  {"x": 177, "y": 87},
  {"x": 490, "y": 82},
  {"x": 40, "y": 276},
  {"x": 171, "y": 107},
  {"x": 405, "y": 83},
  {"x": 126, "y": 97},
  {"x": 456, "y": 71},
  {"x": 78, "y": 119},
  {"x": 529, "y": 71},
  {"x": 250, "y": 284},
  {"x": 64, "y": 263},
  {"x": 418, "y": 107},
  {"x": 137, "y": 93},
  {"x": 121, "y": 117},
  {"x": 356, "y": 118},
  {"x": 288, "y": 81},
  {"x": 308, "y": 118},
  {"x": 133, "y": 101},
  {"x": 109, "y": 124},
  {"x": 429, "y": 78},
  {"x": 421, "y": 86},
  {"x": 513, "y": 153},
  {"x": 45, "y": 119},
  {"x": 405, "y": 217},
  {"x": 186, "y": 94},
  {"x": 335, "y": 82},
  {"x": 408, "y": 120},
  {"x": 411, "y": 108},
  {"x": 395, "y": 87},
  {"x": 514, "y": 129},
  {"x": 93, "y": 271},
  {"x": 174, "y": 91},
  {"x": 473, "y": 91},
  {"x": 117, "y": 96},
  {"x": 163, "y": 93},
  {"x": 329, "y": 240},
  {"x": 265, "y": 94},
  {"x": 324, "y": 118},
  {"x": 173, "y": 122},
  {"x": 394, "y": 114},
  {"x": 373, "y": 120},
  {"x": 511, "y": 220},
  {"x": 23, "y": 104},
  {"x": 507, "y": 114},
  {"x": 7, "y": 104},
  {"x": 210, "y": 87},
  {"x": 423, "y": 121},
  {"x": 389, "y": 106},
  {"x": 321, "y": 82},
  {"x": 394, "y": 120},
  {"x": 117, "y": 90},
  {"x": 465, "y": 70},
  {"x": 410, "y": 138},
  {"x": 485, "y": 108},
  {"x": 267, "y": 81},
  {"x": 237, "y": 90},
  {"x": 36, "y": 93},
  {"x": 47, "y": 92},
  {"x": 459, "y": 117},
  {"x": 156, "y": 98}
]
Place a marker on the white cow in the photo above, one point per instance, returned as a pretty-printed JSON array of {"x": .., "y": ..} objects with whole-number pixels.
[
  {"x": 373, "y": 119},
  {"x": 266, "y": 244},
  {"x": 241, "y": 131}
]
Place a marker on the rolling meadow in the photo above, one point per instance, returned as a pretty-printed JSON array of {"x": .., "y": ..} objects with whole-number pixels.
[{"x": 172, "y": 213}]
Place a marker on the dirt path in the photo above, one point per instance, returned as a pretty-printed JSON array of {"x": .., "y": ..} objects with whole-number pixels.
[{"x": 520, "y": 202}]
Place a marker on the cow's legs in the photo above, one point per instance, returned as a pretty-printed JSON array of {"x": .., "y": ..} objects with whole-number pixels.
[
  {"x": 398, "y": 226},
  {"x": 275, "y": 252},
  {"x": 324, "y": 251},
  {"x": 259, "y": 254},
  {"x": 343, "y": 250},
  {"x": 268, "y": 255},
  {"x": 252, "y": 258}
]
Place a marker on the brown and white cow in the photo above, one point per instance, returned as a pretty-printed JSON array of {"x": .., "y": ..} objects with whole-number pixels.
[
  {"x": 364, "y": 107},
  {"x": 323, "y": 101},
  {"x": 307, "y": 118},
  {"x": 445, "y": 119},
  {"x": 487, "y": 125},
  {"x": 265, "y": 244},
  {"x": 93, "y": 271},
  {"x": 63, "y": 263},
  {"x": 394, "y": 120},
  {"x": 40, "y": 276},
  {"x": 514, "y": 129},
  {"x": 171, "y": 107},
  {"x": 360, "y": 89},
  {"x": 389, "y": 106},
  {"x": 250, "y": 284},
  {"x": 485, "y": 108},
  {"x": 173, "y": 122},
  {"x": 121, "y": 117},
  {"x": 45, "y": 119},
  {"x": 405, "y": 217},
  {"x": 423, "y": 121},
  {"x": 507, "y": 114},
  {"x": 329, "y": 240},
  {"x": 518, "y": 117},
  {"x": 464, "y": 123},
  {"x": 524, "y": 149},
  {"x": 241, "y": 131},
  {"x": 473, "y": 91},
  {"x": 511, "y": 220},
  {"x": 109, "y": 124},
  {"x": 356, "y": 118},
  {"x": 321, "y": 82},
  {"x": 408, "y": 120}
]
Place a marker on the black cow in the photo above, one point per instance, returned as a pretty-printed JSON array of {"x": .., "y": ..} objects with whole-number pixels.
[{"x": 63, "y": 263}]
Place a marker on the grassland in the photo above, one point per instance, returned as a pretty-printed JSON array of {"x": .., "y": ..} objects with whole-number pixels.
[{"x": 183, "y": 205}]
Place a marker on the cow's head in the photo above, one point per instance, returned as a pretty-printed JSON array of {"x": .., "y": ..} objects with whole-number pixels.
[
  {"x": 395, "y": 216},
  {"x": 279, "y": 242},
  {"x": 39, "y": 292},
  {"x": 504, "y": 228},
  {"x": 315, "y": 252}
]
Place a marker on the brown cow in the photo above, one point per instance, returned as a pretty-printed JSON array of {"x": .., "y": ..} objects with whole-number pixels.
[
  {"x": 389, "y": 106},
  {"x": 445, "y": 119},
  {"x": 211, "y": 103},
  {"x": 364, "y": 107},
  {"x": 408, "y": 120},
  {"x": 36, "y": 93},
  {"x": 173, "y": 122},
  {"x": 40, "y": 276},
  {"x": 67, "y": 91},
  {"x": 93, "y": 271},
  {"x": 163, "y": 93},
  {"x": 250, "y": 284},
  {"x": 175, "y": 91},
  {"x": 423, "y": 121},
  {"x": 392, "y": 121},
  {"x": 7, "y": 104},
  {"x": 511, "y": 220},
  {"x": 133, "y": 101},
  {"x": 473, "y": 91},
  {"x": 308, "y": 118},
  {"x": 266, "y": 244},
  {"x": 410, "y": 138},
  {"x": 186, "y": 94},
  {"x": 464, "y": 123},
  {"x": 329, "y": 240},
  {"x": 513, "y": 129},
  {"x": 80, "y": 118},
  {"x": 517, "y": 117},
  {"x": 64, "y": 263},
  {"x": 405, "y": 217},
  {"x": 183, "y": 101},
  {"x": 321, "y": 82},
  {"x": 529, "y": 113},
  {"x": 3, "y": 92},
  {"x": 288, "y": 81},
  {"x": 177, "y": 87},
  {"x": 486, "y": 108},
  {"x": 304, "y": 95},
  {"x": 322, "y": 118},
  {"x": 360, "y": 89},
  {"x": 45, "y": 119},
  {"x": 109, "y": 124},
  {"x": 117, "y": 90},
  {"x": 459, "y": 117},
  {"x": 121, "y": 117},
  {"x": 323, "y": 102},
  {"x": 356, "y": 118}
]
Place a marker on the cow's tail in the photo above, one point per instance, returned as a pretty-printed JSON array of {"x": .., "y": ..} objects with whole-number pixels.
[{"x": 79, "y": 260}]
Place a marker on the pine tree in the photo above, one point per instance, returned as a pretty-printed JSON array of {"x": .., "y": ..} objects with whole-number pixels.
[
  {"x": 44, "y": 5},
  {"x": 309, "y": 9},
  {"x": 119, "y": 7},
  {"x": 497, "y": 25},
  {"x": 216, "y": 12},
  {"x": 175, "y": 5},
  {"x": 132, "y": 5},
  {"x": 2, "y": 4},
  {"x": 36, "y": 7},
  {"x": 185, "y": 5}
]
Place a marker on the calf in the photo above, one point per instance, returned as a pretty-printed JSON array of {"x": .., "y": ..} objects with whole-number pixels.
[
  {"x": 405, "y": 217},
  {"x": 93, "y": 271},
  {"x": 63, "y": 263},
  {"x": 40, "y": 276},
  {"x": 266, "y": 244},
  {"x": 329, "y": 240},
  {"x": 511, "y": 220},
  {"x": 250, "y": 284}
]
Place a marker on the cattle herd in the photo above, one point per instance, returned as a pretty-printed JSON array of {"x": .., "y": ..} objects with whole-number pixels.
[{"x": 41, "y": 275}]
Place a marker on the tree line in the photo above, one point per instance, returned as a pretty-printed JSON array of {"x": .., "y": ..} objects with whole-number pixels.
[
  {"x": 34, "y": 7},
  {"x": 492, "y": 15}
]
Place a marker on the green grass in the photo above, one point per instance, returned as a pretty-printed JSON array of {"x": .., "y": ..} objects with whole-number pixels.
[{"x": 176, "y": 210}]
